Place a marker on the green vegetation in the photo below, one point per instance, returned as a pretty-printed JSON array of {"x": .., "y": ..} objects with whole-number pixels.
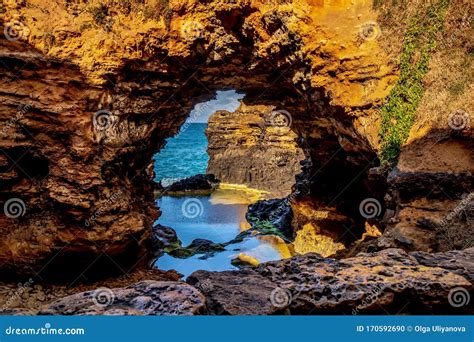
[
  {"x": 398, "y": 114},
  {"x": 264, "y": 227}
]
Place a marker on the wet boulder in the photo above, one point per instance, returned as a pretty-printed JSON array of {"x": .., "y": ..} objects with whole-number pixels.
[
  {"x": 195, "y": 183},
  {"x": 271, "y": 217}
]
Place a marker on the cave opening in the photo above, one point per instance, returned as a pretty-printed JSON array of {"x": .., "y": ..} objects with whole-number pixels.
[
  {"x": 220, "y": 162},
  {"x": 157, "y": 100}
]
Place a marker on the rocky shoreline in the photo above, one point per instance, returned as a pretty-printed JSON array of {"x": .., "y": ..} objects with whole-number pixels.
[{"x": 391, "y": 281}]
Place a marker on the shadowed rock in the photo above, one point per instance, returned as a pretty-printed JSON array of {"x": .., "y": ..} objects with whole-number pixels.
[
  {"x": 163, "y": 239},
  {"x": 235, "y": 293},
  {"x": 198, "y": 246},
  {"x": 274, "y": 213},
  {"x": 459, "y": 262},
  {"x": 194, "y": 183}
]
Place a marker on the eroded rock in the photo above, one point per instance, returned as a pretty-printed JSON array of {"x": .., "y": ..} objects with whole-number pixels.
[
  {"x": 390, "y": 281},
  {"x": 255, "y": 146},
  {"x": 143, "y": 298},
  {"x": 195, "y": 183},
  {"x": 271, "y": 215},
  {"x": 235, "y": 293}
]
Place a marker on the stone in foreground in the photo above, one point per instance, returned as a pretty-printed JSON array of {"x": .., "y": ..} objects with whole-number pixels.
[
  {"x": 391, "y": 281},
  {"x": 235, "y": 293},
  {"x": 144, "y": 298}
]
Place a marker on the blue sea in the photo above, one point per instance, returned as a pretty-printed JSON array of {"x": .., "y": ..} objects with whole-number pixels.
[
  {"x": 184, "y": 155},
  {"x": 218, "y": 217}
]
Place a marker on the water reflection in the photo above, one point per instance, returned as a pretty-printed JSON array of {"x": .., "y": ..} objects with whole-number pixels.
[{"x": 221, "y": 217}]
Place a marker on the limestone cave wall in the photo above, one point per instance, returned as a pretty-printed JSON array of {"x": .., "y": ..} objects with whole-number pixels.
[{"x": 88, "y": 97}]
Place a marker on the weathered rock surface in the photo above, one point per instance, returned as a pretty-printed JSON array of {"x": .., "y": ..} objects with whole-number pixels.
[
  {"x": 255, "y": 146},
  {"x": 460, "y": 262},
  {"x": 431, "y": 196},
  {"x": 194, "y": 183},
  {"x": 388, "y": 281},
  {"x": 243, "y": 292},
  {"x": 143, "y": 298},
  {"x": 321, "y": 228},
  {"x": 274, "y": 212},
  {"x": 95, "y": 96},
  {"x": 163, "y": 239}
]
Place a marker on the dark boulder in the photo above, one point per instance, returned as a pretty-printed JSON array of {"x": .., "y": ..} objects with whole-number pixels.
[
  {"x": 276, "y": 213},
  {"x": 163, "y": 239},
  {"x": 194, "y": 183},
  {"x": 198, "y": 246}
]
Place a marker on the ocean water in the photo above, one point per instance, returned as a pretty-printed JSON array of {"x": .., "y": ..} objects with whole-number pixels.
[
  {"x": 184, "y": 155},
  {"x": 218, "y": 217}
]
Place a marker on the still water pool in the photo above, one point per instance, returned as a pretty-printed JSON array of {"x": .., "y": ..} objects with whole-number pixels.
[{"x": 218, "y": 217}]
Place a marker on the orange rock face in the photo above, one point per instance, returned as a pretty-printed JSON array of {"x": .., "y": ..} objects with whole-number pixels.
[
  {"x": 101, "y": 86},
  {"x": 90, "y": 92}
]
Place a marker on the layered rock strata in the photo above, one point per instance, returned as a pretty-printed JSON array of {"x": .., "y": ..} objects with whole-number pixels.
[{"x": 254, "y": 146}]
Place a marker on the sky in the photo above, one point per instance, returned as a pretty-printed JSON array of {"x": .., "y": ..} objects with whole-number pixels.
[{"x": 226, "y": 100}]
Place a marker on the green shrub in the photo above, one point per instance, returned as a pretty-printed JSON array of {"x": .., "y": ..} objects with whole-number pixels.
[{"x": 398, "y": 114}]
